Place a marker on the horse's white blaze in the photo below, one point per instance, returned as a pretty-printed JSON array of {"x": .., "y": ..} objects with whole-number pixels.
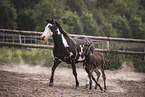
[
  {"x": 47, "y": 32},
  {"x": 64, "y": 41}
]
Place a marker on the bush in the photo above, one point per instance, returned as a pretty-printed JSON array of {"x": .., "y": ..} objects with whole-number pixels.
[
  {"x": 113, "y": 61},
  {"x": 42, "y": 57},
  {"x": 38, "y": 57},
  {"x": 10, "y": 55},
  {"x": 139, "y": 65}
]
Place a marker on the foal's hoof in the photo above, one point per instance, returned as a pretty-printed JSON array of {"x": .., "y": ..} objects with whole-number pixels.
[
  {"x": 86, "y": 86},
  {"x": 77, "y": 87},
  {"x": 51, "y": 84},
  {"x": 95, "y": 87}
]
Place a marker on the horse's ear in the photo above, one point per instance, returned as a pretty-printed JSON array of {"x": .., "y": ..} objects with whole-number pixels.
[
  {"x": 47, "y": 20},
  {"x": 52, "y": 21}
]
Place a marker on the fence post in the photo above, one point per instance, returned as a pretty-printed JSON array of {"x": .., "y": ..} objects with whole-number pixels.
[
  {"x": 144, "y": 51},
  {"x": 13, "y": 38},
  {"x": 20, "y": 38},
  {"x": 124, "y": 46},
  {"x": 3, "y": 37},
  {"x": 107, "y": 45}
]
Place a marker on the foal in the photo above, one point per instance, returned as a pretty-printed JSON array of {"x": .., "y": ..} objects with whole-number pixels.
[{"x": 93, "y": 61}]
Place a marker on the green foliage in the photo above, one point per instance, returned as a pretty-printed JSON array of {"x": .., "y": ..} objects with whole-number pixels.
[
  {"x": 72, "y": 22},
  {"x": 139, "y": 65},
  {"x": 38, "y": 57},
  {"x": 8, "y": 15},
  {"x": 46, "y": 9},
  {"x": 10, "y": 55},
  {"x": 33, "y": 56},
  {"x": 117, "y": 18},
  {"x": 90, "y": 26},
  {"x": 113, "y": 61},
  {"x": 24, "y": 20},
  {"x": 121, "y": 25}
]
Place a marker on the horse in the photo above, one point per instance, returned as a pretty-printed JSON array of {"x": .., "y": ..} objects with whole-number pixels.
[
  {"x": 66, "y": 49},
  {"x": 93, "y": 62}
]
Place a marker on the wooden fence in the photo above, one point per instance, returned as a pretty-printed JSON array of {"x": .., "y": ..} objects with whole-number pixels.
[{"x": 19, "y": 38}]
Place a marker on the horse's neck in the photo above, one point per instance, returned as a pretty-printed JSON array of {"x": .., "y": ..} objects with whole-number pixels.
[
  {"x": 61, "y": 29},
  {"x": 60, "y": 39}
]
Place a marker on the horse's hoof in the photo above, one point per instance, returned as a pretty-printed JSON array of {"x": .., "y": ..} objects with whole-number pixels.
[
  {"x": 51, "y": 84},
  {"x": 76, "y": 87},
  {"x": 95, "y": 87},
  {"x": 105, "y": 90}
]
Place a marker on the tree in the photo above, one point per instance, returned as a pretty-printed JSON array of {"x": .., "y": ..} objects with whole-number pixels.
[
  {"x": 76, "y": 6},
  {"x": 8, "y": 15},
  {"x": 72, "y": 22},
  {"x": 122, "y": 26},
  {"x": 47, "y": 9},
  {"x": 90, "y": 26},
  {"x": 138, "y": 27},
  {"x": 24, "y": 20}
]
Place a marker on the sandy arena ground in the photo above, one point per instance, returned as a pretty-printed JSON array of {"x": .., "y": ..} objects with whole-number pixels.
[{"x": 26, "y": 81}]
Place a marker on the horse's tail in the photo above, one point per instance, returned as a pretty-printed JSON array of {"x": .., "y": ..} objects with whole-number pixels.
[{"x": 92, "y": 48}]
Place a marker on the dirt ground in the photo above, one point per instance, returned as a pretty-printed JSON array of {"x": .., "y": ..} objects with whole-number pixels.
[{"x": 26, "y": 81}]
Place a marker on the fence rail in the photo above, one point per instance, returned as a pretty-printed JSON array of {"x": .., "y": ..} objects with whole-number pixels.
[
  {"x": 74, "y": 35},
  {"x": 34, "y": 34}
]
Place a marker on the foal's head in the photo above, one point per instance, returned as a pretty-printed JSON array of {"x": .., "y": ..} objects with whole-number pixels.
[
  {"x": 86, "y": 49},
  {"x": 49, "y": 30}
]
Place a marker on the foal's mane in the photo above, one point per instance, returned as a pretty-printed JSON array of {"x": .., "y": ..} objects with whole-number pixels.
[{"x": 61, "y": 29}]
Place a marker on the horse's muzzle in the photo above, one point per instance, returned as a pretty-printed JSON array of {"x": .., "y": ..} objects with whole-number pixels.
[{"x": 43, "y": 38}]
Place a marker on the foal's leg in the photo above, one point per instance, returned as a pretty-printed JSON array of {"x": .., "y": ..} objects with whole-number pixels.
[
  {"x": 89, "y": 76},
  {"x": 75, "y": 74},
  {"x": 56, "y": 63},
  {"x": 104, "y": 78},
  {"x": 97, "y": 83},
  {"x": 98, "y": 75}
]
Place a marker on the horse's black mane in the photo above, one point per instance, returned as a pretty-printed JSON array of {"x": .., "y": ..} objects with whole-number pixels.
[{"x": 61, "y": 29}]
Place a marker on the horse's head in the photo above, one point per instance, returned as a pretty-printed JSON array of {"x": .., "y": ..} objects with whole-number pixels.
[{"x": 49, "y": 30}]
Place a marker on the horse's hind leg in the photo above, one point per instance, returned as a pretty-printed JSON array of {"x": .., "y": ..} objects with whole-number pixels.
[{"x": 56, "y": 63}]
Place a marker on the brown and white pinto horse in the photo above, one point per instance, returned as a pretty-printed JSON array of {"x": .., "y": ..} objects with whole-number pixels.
[{"x": 65, "y": 49}]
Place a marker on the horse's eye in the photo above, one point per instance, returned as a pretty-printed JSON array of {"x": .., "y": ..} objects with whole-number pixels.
[{"x": 49, "y": 26}]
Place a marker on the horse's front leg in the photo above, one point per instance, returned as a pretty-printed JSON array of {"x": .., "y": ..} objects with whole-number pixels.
[
  {"x": 75, "y": 74},
  {"x": 56, "y": 63}
]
